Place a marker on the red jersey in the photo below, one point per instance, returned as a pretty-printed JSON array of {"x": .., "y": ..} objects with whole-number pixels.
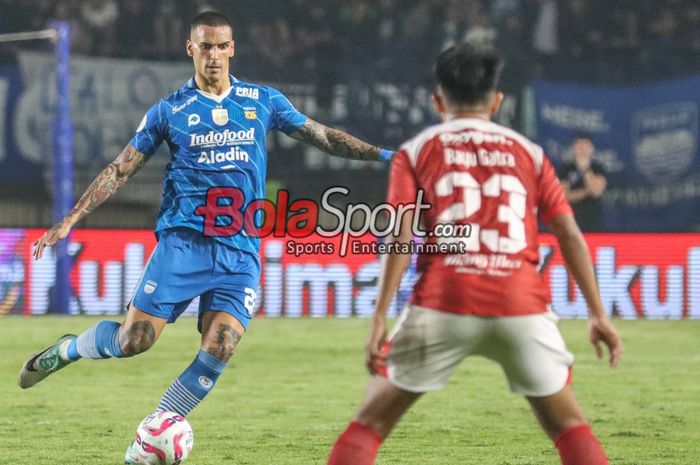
[{"x": 479, "y": 173}]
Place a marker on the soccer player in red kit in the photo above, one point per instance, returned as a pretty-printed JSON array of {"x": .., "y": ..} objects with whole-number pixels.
[{"x": 489, "y": 299}]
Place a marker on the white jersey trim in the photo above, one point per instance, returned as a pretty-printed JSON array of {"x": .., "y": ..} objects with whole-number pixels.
[
  {"x": 217, "y": 98},
  {"x": 414, "y": 146}
]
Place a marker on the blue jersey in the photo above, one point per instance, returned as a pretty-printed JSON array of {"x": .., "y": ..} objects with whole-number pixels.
[{"x": 214, "y": 141}]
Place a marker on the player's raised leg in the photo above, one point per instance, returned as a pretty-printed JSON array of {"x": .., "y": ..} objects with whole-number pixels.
[
  {"x": 106, "y": 339},
  {"x": 383, "y": 407},
  {"x": 562, "y": 419},
  {"x": 220, "y": 335}
]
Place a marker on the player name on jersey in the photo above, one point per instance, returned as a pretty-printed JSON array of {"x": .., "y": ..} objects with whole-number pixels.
[{"x": 481, "y": 157}]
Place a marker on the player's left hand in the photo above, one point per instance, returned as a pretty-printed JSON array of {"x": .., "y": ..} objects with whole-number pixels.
[
  {"x": 56, "y": 233},
  {"x": 602, "y": 330},
  {"x": 375, "y": 358}
]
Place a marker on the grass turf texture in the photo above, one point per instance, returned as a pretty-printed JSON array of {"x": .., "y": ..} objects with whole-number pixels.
[{"x": 293, "y": 385}]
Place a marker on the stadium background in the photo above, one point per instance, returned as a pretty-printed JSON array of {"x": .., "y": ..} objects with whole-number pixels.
[{"x": 626, "y": 72}]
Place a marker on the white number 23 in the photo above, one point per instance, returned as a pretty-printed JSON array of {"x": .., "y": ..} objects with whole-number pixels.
[{"x": 511, "y": 213}]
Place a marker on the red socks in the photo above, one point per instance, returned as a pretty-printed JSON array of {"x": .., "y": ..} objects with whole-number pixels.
[
  {"x": 358, "y": 445},
  {"x": 579, "y": 446}
]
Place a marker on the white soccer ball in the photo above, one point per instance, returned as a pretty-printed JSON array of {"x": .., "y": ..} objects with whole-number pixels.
[{"x": 164, "y": 438}]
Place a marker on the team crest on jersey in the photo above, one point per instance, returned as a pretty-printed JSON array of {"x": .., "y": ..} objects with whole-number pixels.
[
  {"x": 250, "y": 113},
  {"x": 220, "y": 116},
  {"x": 150, "y": 287}
]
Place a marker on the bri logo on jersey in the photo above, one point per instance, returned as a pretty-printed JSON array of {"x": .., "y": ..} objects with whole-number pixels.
[
  {"x": 219, "y": 139},
  {"x": 248, "y": 92},
  {"x": 210, "y": 157}
]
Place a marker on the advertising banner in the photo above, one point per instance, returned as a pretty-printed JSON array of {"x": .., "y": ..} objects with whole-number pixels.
[
  {"x": 640, "y": 275},
  {"x": 646, "y": 138}
]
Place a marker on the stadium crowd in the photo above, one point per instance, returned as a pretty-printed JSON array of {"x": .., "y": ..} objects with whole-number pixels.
[{"x": 646, "y": 39}]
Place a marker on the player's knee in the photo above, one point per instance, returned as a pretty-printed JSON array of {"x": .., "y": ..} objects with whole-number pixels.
[
  {"x": 137, "y": 338},
  {"x": 222, "y": 343}
]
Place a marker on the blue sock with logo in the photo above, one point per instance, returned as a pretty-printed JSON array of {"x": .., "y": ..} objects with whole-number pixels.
[
  {"x": 100, "y": 341},
  {"x": 192, "y": 386}
]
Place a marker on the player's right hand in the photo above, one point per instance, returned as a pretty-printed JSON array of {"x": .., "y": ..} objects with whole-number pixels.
[
  {"x": 375, "y": 358},
  {"x": 601, "y": 329},
  {"x": 50, "y": 237}
]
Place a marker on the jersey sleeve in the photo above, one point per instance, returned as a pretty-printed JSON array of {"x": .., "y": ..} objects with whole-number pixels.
[
  {"x": 403, "y": 185},
  {"x": 285, "y": 117},
  {"x": 551, "y": 200},
  {"x": 152, "y": 130}
]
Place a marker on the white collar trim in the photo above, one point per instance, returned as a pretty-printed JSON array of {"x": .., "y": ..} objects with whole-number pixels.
[{"x": 217, "y": 98}]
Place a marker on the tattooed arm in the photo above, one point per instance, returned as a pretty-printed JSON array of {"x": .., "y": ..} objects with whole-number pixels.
[
  {"x": 338, "y": 143},
  {"x": 105, "y": 185}
]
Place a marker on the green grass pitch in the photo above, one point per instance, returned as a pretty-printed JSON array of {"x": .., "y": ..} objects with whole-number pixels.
[{"x": 293, "y": 385}]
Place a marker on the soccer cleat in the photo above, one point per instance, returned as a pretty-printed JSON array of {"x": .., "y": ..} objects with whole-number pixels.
[
  {"x": 133, "y": 456},
  {"x": 42, "y": 364}
]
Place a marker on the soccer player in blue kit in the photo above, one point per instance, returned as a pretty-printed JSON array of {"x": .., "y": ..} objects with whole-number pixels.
[{"x": 215, "y": 128}]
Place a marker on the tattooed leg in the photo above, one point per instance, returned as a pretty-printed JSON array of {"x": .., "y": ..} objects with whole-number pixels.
[
  {"x": 226, "y": 340},
  {"x": 139, "y": 332},
  {"x": 220, "y": 335},
  {"x": 137, "y": 338}
]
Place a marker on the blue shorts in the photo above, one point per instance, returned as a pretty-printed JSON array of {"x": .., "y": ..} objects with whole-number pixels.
[{"x": 186, "y": 264}]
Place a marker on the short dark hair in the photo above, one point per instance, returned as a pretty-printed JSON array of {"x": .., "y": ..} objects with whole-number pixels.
[
  {"x": 582, "y": 136},
  {"x": 467, "y": 74},
  {"x": 211, "y": 18}
]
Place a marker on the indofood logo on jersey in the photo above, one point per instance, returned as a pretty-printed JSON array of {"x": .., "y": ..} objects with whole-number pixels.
[
  {"x": 665, "y": 140},
  {"x": 219, "y": 139}
]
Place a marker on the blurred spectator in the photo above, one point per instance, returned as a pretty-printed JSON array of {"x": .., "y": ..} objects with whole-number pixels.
[
  {"x": 14, "y": 17},
  {"x": 456, "y": 21},
  {"x": 692, "y": 26},
  {"x": 584, "y": 182},
  {"x": 576, "y": 26},
  {"x": 133, "y": 28},
  {"x": 545, "y": 39},
  {"x": 317, "y": 37},
  {"x": 168, "y": 30},
  {"x": 481, "y": 33},
  {"x": 665, "y": 26},
  {"x": 65, "y": 11},
  {"x": 98, "y": 19}
]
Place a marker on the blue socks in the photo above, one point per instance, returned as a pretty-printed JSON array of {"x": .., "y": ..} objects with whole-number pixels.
[
  {"x": 100, "y": 341},
  {"x": 184, "y": 394},
  {"x": 188, "y": 390}
]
